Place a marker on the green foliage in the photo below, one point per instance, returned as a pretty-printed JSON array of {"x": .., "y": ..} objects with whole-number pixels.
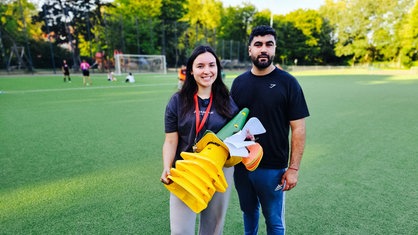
[
  {"x": 72, "y": 22},
  {"x": 15, "y": 19},
  {"x": 133, "y": 26},
  {"x": 366, "y": 29},
  {"x": 290, "y": 42},
  {"x": 16, "y": 30},
  {"x": 203, "y": 19},
  {"x": 408, "y": 35},
  {"x": 171, "y": 13},
  {"x": 233, "y": 31},
  {"x": 235, "y": 23},
  {"x": 317, "y": 33},
  {"x": 357, "y": 31}
]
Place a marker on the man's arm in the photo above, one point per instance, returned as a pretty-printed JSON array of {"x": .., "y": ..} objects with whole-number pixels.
[{"x": 297, "y": 146}]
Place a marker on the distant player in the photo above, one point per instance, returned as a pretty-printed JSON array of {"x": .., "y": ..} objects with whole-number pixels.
[
  {"x": 130, "y": 78},
  {"x": 111, "y": 77},
  {"x": 86, "y": 73},
  {"x": 66, "y": 71},
  {"x": 182, "y": 76}
]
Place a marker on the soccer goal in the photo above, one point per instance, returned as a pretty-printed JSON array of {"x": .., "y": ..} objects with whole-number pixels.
[{"x": 125, "y": 63}]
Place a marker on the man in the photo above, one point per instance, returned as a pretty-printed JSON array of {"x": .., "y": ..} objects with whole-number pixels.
[
  {"x": 277, "y": 100},
  {"x": 66, "y": 71}
]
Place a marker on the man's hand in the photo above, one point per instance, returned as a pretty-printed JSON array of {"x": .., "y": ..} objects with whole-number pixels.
[{"x": 291, "y": 178}]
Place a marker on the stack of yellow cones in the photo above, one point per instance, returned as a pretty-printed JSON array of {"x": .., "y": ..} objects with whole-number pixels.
[{"x": 199, "y": 175}]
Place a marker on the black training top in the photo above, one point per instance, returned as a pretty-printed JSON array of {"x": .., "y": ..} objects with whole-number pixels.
[{"x": 275, "y": 99}]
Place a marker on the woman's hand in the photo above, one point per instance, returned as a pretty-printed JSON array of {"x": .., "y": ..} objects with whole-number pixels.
[{"x": 164, "y": 177}]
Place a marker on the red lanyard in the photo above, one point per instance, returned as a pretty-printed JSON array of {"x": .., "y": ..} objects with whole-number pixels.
[{"x": 199, "y": 125}]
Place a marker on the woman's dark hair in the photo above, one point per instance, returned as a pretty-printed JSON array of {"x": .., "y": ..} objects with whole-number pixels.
[{"x": 220, "y": 92}]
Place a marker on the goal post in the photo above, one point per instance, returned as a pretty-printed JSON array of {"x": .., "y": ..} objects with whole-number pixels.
[{"x": 125, "y": 63}]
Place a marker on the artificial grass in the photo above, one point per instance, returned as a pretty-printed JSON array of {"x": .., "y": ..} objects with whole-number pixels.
[
  {"x": 87, "y": 160},
  {"x": 360, "y": 163}
]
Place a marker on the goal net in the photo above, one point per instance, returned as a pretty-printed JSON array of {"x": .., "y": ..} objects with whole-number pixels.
[{"x": 125, "y": 63}]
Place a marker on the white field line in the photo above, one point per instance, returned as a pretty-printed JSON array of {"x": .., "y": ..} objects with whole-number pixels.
[{"x": 84, "y": 88}]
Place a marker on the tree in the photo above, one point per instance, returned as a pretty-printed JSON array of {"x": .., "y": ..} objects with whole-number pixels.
[
  {"x": 365, "y": 29},
  {"x": 408, "y": 37},
  {"x": 290, "y": 42},
  {"x": 358, "y": 31},
  {"x": 309, "y": 22},
  {"x": 130, "y": 27},
  {"x": 236, "y": 22},
  {"x": 234, "y": 30},
  {"x": 16, "y": 30},
  {"x": 204, "y": 18},
  {"x": 72, "y": 22},
  {"x": 171, "y": 12},
  {"x": 303, "y": 35},
  {"x": 318, "y": 36}
]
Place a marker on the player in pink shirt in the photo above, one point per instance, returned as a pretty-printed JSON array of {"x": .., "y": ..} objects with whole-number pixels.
[{"x": 86, "y": 73}]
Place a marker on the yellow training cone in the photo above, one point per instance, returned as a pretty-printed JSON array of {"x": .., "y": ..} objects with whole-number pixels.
[
  {"x": 196, "y": 178},
  {"x": 212, "y": 158},
  {"x": 196, "y": 171}
]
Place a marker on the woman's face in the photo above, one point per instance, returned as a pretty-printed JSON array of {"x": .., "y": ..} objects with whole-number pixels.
[{"x": 205, "y": 70}]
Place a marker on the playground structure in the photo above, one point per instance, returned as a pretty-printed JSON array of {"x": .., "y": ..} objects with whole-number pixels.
[{"x": 16, "y": 59}]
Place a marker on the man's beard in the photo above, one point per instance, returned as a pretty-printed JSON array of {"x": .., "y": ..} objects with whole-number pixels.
[{"x": 262, "y": 64}]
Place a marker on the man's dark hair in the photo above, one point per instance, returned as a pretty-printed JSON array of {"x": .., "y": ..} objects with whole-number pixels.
[{"x": 261, "y": 30}]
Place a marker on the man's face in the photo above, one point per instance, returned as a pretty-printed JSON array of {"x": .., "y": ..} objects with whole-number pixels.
[{"x": 262, "y": 51}]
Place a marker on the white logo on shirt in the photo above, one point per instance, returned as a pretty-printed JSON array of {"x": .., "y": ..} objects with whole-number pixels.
[{"x": 272, "y": 85}]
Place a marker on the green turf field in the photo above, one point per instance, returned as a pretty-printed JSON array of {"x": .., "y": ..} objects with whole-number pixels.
[{"x": 87, "y": 160}]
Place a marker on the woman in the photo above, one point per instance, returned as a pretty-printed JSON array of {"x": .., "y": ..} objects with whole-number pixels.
[
  {"x": 204, "y": 93},
  {"x": 86, "y": 73}
]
